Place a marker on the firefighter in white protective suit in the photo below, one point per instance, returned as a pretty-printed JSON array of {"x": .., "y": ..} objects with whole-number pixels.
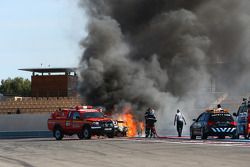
[{"x": 179, "y": 120}]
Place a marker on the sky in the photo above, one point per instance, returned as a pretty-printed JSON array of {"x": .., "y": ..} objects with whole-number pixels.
[{"x": 39, "y": 33}]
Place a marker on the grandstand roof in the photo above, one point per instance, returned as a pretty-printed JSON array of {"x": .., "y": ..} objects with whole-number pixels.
[{"x": 49, "y": 70}]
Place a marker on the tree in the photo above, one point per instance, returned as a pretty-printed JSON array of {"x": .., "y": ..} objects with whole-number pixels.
[{"x": 16, "y": 87}]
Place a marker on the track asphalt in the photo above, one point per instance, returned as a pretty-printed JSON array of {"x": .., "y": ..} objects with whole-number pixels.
[{"x": 125, "y": 152}]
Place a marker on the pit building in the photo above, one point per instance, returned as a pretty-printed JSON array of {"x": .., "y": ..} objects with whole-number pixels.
[{"x": 53, "y": 82}]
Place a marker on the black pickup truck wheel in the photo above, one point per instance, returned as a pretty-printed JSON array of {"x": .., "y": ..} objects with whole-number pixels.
[
  {"x": 235, "y": 136},
  {"x": 203, "y": 134},
  {"x": 221, "y": 137},
  {"x": 192, "y": 136},
  {"x": 58, "y": 134}
]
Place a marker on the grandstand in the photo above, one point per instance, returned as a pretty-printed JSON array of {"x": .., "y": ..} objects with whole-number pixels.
[{"x": 37, "y": 105}]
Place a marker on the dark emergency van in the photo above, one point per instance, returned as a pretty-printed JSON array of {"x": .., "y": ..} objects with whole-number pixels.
[{"x": 243, "y": 119}]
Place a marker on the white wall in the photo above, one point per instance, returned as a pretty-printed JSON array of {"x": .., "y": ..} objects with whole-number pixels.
[{"x": 24, "y": 122}]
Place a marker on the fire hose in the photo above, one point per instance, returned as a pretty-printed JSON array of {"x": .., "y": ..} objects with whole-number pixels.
[{"x": 156, "y": 134}]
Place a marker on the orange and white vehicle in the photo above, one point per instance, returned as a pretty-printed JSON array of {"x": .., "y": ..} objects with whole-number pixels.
[
  {"x": 85, "y": 121},
  {"x": 121, "y": 128}
]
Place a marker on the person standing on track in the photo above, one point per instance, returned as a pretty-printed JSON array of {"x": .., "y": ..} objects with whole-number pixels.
[
  {"x": 179, "y": 119},
  {"x": 219, "y": 108},
  {"x": 150, "y": 120}
]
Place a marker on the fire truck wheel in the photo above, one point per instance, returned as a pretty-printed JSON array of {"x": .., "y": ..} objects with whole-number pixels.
[
  {"x": 58, "y": 134},
  {"x": 86, "y": 133},
  {"x": 110, "y": 135},
  {"x": 246, "y": 136},
  {"x": 80, "y": 135}
]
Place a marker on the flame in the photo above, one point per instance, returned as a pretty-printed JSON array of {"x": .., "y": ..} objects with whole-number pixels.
[
  {"x": 141, "y": 125},
  {"x": 130, "y": 121},
  {"x": 134, "y": 127},
  {"x": 140, "y": 128},
  {"x": 120, "y": 118}
]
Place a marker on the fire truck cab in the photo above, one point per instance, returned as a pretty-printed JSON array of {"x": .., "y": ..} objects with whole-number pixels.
[
  {"x": 85, "y": 121},
  {"x": 243, "y": 119}
]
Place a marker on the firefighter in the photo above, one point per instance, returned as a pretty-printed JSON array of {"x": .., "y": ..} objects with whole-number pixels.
[
  {"x": 219, "y": 107},
  {"x": 179, "y": 119},
  {"x": 150, "y": 120},
  {"x": 18, "y": 111}
]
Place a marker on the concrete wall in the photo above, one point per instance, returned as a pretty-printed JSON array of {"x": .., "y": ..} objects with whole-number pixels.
[{"x": 24, "y": 122}]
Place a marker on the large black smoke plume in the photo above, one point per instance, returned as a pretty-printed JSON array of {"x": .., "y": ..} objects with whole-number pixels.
[{"x": 163, "y": 53}]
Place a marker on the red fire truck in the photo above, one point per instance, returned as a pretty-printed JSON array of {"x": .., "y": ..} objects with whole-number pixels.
[{"x": 85, "y": 121}]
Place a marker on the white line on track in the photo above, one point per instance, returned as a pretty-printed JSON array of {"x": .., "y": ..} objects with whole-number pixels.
[{"x": 212, "y": 142}]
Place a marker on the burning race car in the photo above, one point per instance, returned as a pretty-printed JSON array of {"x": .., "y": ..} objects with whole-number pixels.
[{"x": 120, "y": 128}]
